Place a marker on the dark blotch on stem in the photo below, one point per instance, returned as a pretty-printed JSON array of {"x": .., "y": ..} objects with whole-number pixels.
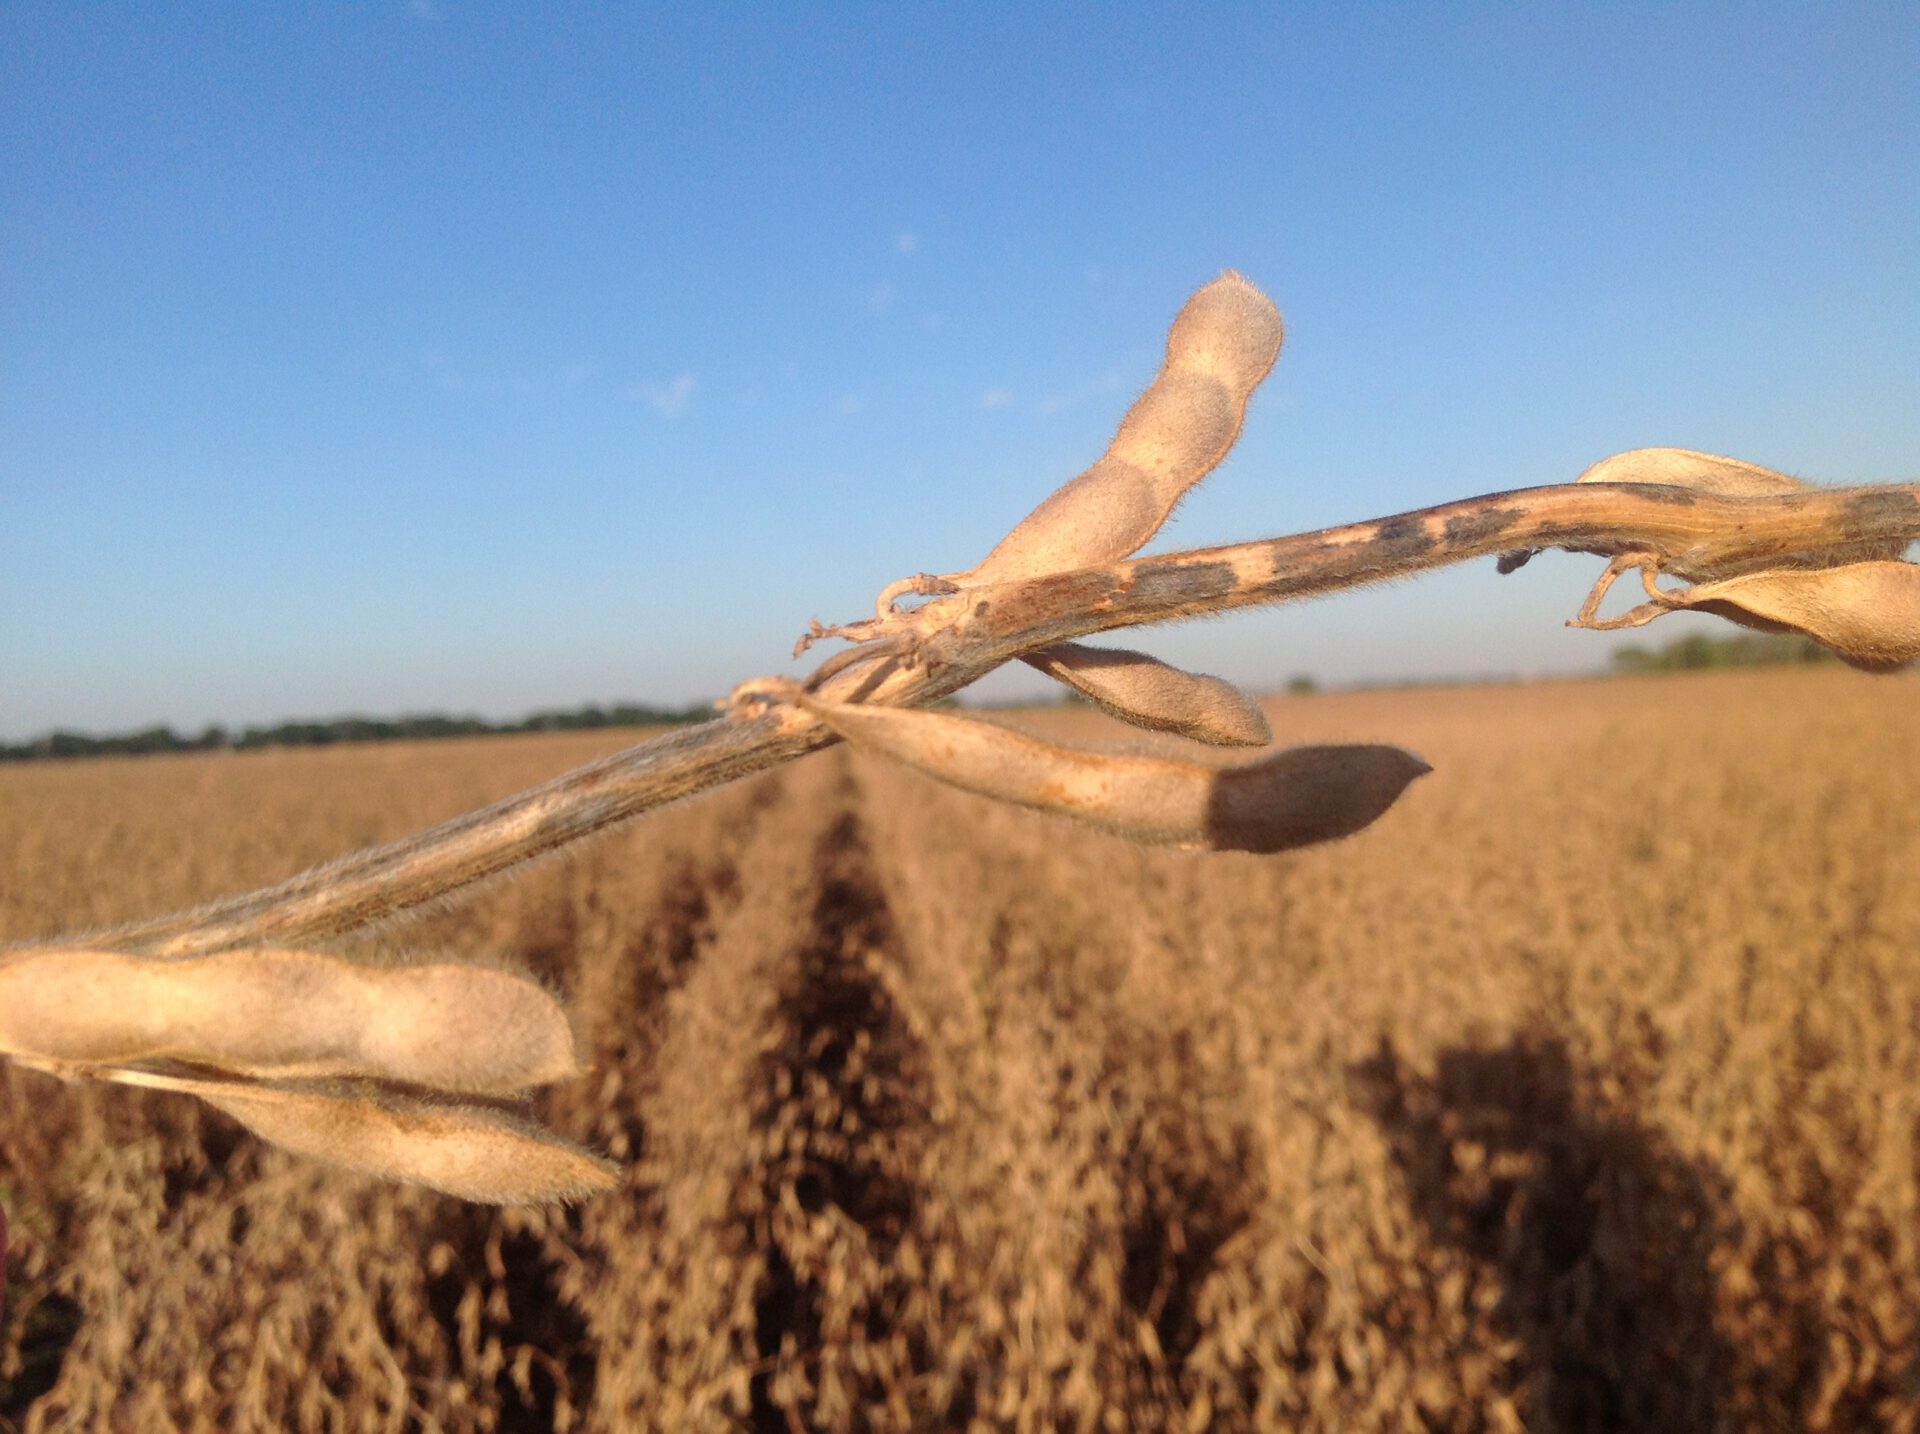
[
  {"x": 1468, "y": 528},
  {"x": 1306, "y": 557},
  {"x": 1405, "y": 536},
  {"x": 1661, "y": 493},
  {"x": 1870, "y": 514},
  {"x": 1189, "y": 582}
]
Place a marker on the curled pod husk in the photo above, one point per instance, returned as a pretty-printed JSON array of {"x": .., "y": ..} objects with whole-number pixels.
[
  {"x": 1718, "y": 476},
  {"x": 1292, "y": 799},
  {"x": 273, "y": 1013},
  {"x": 1867, "y": 614},
  {"x": 1222, "y": 344},
  {"x": 1148, "y": 693},
  {"x": 469, "y": 1151}
]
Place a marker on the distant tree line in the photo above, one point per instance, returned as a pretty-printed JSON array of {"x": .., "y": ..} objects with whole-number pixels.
[
  {"x": 343, "y": 729},
  {"x": 1698, "y": 651},
  {"x": 1685, "y": 654}
]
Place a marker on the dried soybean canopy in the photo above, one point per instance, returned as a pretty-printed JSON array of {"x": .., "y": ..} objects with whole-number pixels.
[
  {"x": 1147, "y": 692},
  {"x": 1292, "y": 799},
  {"x": 1868, "y": 614},
  {"x": 287, "y": 1013},
  {"x": 1222, "y": 344},
  {"x": 469, "y": 1151}
]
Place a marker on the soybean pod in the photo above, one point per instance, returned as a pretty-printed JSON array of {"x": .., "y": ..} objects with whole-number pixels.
[{"x": 1294, "y": 798}]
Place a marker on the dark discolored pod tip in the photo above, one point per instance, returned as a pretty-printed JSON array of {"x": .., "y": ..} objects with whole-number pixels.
[{"x": 1306, "y": 795}]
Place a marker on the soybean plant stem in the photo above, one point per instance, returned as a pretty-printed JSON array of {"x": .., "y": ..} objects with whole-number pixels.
[{"x": 967, "y": 635}]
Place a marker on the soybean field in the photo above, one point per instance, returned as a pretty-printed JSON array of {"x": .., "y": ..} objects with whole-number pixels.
[{"x": 1583, "y": 1093}]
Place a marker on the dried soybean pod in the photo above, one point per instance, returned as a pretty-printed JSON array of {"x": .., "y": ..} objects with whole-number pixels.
[
  {"x": 1291, "y": 799},
  {"x": 1148, "y": 693},
  {"x": 287, "y": 1013},
  {"x": 1222, "y": 344},
  {"x": 1868, "y": 614},
  {"x": 474, "y": 1153},
  {"x": 1686, "y": 468}
]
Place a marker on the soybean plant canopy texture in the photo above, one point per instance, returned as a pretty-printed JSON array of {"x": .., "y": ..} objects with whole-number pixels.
[{"x": 1582, "y": 1094}]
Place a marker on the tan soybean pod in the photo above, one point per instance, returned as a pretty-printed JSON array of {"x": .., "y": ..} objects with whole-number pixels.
[
  {"x": 1148, "y": 693},
  {"x": 474, "y": 1153},
  {"x": 287, "y": 1013},
  {"x": 1291, "y": 799},
  {"x": 1868, "y": 614},
  {"x": 1223, "y": 343},
  {"x": 1686, "y": 468}
]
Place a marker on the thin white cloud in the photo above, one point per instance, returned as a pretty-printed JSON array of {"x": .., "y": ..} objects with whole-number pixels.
[
  {"x": 881, "y": 296},
  {"x": 1059, "y": 402},
  {"x": 997, "y": 397},
  {"x": 669, "y": 400},
  {"x": 906, "y": 243},
  {"x": 850, "y": 403}
]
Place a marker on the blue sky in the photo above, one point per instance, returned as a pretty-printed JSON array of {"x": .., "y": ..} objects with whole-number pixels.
[{"x": 485, "y": 358}]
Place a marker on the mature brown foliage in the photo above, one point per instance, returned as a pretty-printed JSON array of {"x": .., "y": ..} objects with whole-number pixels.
[{"x": 1583, "y": 1094}]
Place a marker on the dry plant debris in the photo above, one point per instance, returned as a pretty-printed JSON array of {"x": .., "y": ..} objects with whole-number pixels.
[{"x": 227, "y": 1004}]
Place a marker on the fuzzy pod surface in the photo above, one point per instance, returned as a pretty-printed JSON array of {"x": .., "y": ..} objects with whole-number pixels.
[
  {"x": 1149, "y": 693},
  {"x": 1222, "y": 344},
  {"x": 475, "y": 1153},
  {"x": 1293, "y": 798},
  {"x": 1867, "y": 614},
  {"x": 275, "y": 1013}
]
